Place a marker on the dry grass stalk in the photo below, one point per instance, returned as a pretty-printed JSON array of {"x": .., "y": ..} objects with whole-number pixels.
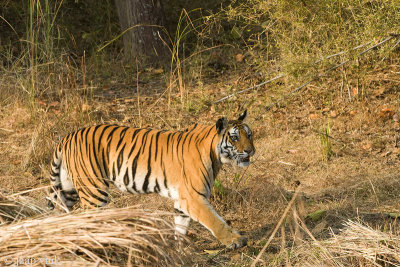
[
  {"x": 103, "y": 236},
  {"x": 356, "y": 244},
  {"x": 364, "y": 243},
  {"x": 15, "y": 207},
  {"x": 288, "y": 207}
]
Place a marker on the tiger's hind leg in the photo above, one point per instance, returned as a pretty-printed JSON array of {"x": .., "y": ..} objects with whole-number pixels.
[
  {"x": 62, "y": 192},
  {"x": 182, "y": 220},
  {"x": 92, "y": 195}
]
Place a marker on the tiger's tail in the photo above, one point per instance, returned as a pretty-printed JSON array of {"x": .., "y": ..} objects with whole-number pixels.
[{"x": 62, "y": 191}]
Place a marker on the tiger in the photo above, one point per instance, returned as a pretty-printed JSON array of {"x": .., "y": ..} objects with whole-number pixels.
[{"x": 180, "y": 165}]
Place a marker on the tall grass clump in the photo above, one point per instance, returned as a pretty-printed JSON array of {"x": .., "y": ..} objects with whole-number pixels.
[
  {"x": 40, "y": 44},
  {"x": 355, "y": 245},
  {"x": 303, "y": 38},
  {"x": 127, "y": 236},
  {"x": 14, "y": 207}
]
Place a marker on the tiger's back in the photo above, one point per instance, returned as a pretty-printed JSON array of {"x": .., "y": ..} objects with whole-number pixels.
[{"x": 180, "y": 165}]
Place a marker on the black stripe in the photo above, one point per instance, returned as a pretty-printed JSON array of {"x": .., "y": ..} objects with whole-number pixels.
[
  {"x": 146, "y": 178},
  {"x": 133, "y": 146},
  {"x": 114, "y": 176},
  {"x": 53, "y": 173},
  {"x": 183, "y": 145},
  {"x": 101, "y": 136},
  {"x": 90, "y": 202},
  {"x": 163, "y": 170},
  {"x": 205, "y": 136},
  {"x": 120, "y": 158},
  {"x": 205, "y": 177},
  {"x": 144, "y": 140},
  {"x": 157, "y": 187},
  {"x": 157, "y": 137},
  {"x": 94, "y": 144},
  {"x": 126, "y": 179},
  {"x": 214, "y": 162},
  {"x": 177, "y": 144},
  {"x": 134, "y": 167},
  {"x": 86, "y": 134},
  {"x": 181, "y": 213},
  {"x": 169, "y": 136},
  {"x": 121, "y": 138},
  {"x": 110, "y": 135},
  {"x": 105, "y": 166},
  {"x": 199, "y": 192},
  {"x": 95, "y": 167},
  {"x": 194, "y": 127}
]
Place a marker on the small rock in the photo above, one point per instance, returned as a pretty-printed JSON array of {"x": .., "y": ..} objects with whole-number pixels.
[
  {"x": 319, "y": 228},
  {"x": 396, "y": 117}
]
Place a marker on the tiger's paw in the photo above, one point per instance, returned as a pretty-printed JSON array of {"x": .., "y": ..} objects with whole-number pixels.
[
  {"x": 236, "y": 241},
  {"x": 239, "y": 242}
]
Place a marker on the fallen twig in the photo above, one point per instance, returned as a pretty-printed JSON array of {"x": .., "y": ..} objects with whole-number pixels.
[
  {"x": 289, "y": 206},
  {"x": 250, "y": 88}
]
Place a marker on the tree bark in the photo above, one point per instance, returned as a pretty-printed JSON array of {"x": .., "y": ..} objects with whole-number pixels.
[{"x": 143, "y": 42}]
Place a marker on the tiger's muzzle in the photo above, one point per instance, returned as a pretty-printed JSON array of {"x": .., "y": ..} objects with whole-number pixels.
[{"x": 243, "y": 159}]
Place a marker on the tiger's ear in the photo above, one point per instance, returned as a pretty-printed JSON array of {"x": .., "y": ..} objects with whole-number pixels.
[
  {"x": 221, "y": 124},
  {"x": 243, "y": 116}
]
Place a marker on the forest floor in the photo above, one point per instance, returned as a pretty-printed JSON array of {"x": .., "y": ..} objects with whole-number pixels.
[{"x": 340, "y": 144}]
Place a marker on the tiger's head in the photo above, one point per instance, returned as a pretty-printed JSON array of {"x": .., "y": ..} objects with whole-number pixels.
[{"x": 236, "y": 143}]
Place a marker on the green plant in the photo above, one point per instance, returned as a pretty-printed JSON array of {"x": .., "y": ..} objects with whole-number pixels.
[
  {"x": 326, "y": 143},
  {"x": 219, "y": 189},
  {"x": 40, "y": 47}
]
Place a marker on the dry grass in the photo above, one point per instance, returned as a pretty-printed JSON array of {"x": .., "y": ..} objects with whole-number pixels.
[
  {"x": 16, "y": 207},
  {"x": 356, "y": 244},
  {"x": 112, "y": 237}
]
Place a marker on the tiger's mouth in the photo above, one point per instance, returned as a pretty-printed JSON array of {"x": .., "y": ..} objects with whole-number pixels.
[{"x": 245, "y": 159}]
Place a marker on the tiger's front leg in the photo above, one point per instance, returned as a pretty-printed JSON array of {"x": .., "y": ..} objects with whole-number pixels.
[{"x": 201, "y": 210}]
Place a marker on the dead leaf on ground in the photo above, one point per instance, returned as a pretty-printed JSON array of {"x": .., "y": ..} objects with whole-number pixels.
[
  {"x": 54, "y": 104},
  {"x": 333, "y": 114},
  {"x": 386, "y": 113},
  {"x": 212, "y": 251},
  {"x": 367, "y": 146},
  {"x": 158, "y": 71},
  {"x": 381, "y": 91},
  {"x": 85, "y": 107},
  {"x": 130, "y": 100},
  {"x": 235, "y": 257},
  {"x": 41, "y": 103},
  {"x": 354, "y": 91},
  {"x": 313, "y": 116},
  {"x": 239, "y": 57}
]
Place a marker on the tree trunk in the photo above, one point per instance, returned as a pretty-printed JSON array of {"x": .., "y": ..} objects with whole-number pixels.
[{"x": 143, "y": 42}]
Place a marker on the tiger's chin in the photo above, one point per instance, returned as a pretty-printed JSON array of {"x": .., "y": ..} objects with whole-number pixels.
[{"x": 243, "y": 162}]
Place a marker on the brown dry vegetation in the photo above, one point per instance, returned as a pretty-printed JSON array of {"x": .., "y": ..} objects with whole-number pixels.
[{"x": 338, "y": 136}]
